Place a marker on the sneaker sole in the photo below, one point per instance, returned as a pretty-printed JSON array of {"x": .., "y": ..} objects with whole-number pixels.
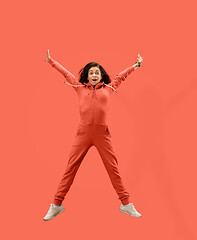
[
  {"x": 130, "y": 214},
  {"x": 54, "y": 215}
]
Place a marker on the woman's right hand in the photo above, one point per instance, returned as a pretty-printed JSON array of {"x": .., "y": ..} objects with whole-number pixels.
[{"x": 48, "y": 57}]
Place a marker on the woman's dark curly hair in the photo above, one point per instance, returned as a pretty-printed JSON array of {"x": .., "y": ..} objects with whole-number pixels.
[{"x": 84, "y": 73}]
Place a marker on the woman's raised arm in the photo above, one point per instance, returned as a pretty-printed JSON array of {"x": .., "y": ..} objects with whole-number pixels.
[
  {"x": 68, "y": 75},
  {"x": 122, "y": 75}
]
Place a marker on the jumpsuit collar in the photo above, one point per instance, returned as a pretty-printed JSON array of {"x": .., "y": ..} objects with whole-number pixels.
[
  {"x": 89, "y": 85},
  {"x": 98, "y": 85}
]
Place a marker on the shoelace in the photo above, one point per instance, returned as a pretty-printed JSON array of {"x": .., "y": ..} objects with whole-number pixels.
[{"x": 51, "y": 209}]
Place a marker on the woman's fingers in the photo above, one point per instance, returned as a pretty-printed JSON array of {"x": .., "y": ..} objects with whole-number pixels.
[
  {"x": 48, "y": 56},
  {"x": 140, "y": 58}
]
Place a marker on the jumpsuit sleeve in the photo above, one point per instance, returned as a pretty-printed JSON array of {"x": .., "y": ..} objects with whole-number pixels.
[
  {"x": 121, "y": 77},
  {"x": 68, "y": 75}
]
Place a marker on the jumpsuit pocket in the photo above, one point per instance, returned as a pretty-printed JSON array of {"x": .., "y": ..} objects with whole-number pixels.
[
  {"x": 80, "y": 130},
  {"x": 107, "y": 132},
  {"x": 79, "y": 136}
]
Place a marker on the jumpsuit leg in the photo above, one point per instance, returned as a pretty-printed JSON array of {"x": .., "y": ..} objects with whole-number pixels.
[
  {"x": 104, "y": 146},
  {"x": 78, "y": 151}
]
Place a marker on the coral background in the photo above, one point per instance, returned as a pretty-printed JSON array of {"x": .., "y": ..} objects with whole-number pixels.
[{"x": 152, "y": 118}]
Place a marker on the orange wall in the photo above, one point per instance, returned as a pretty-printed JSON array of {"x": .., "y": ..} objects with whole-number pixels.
[{"x": 152, "y": 118}]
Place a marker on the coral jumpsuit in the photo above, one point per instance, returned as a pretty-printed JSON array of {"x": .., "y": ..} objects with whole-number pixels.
[{"x": 92, "y": 130}]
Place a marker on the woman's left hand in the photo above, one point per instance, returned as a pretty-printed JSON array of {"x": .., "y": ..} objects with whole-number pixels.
[{"x": 139, "y": 59}]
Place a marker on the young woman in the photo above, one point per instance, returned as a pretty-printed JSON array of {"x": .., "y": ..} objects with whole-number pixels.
[{"x": 94, "y": 89}]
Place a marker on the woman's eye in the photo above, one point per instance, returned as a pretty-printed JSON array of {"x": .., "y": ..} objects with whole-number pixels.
[{"x": 96, "y": 73}]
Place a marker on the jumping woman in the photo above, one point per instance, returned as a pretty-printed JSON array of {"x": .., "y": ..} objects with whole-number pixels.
[{"x": 94, "y": 89}]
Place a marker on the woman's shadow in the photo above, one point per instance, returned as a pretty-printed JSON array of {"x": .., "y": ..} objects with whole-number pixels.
[{"x": 155, "y": 112}]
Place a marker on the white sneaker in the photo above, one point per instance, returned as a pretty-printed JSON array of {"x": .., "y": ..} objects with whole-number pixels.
[
  {"x": 130, "y": 209},
  {"x": 54, "y": 210}
]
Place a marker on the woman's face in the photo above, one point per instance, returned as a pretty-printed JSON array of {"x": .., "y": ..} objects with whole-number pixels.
[{"x": 94, "y": 75}]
